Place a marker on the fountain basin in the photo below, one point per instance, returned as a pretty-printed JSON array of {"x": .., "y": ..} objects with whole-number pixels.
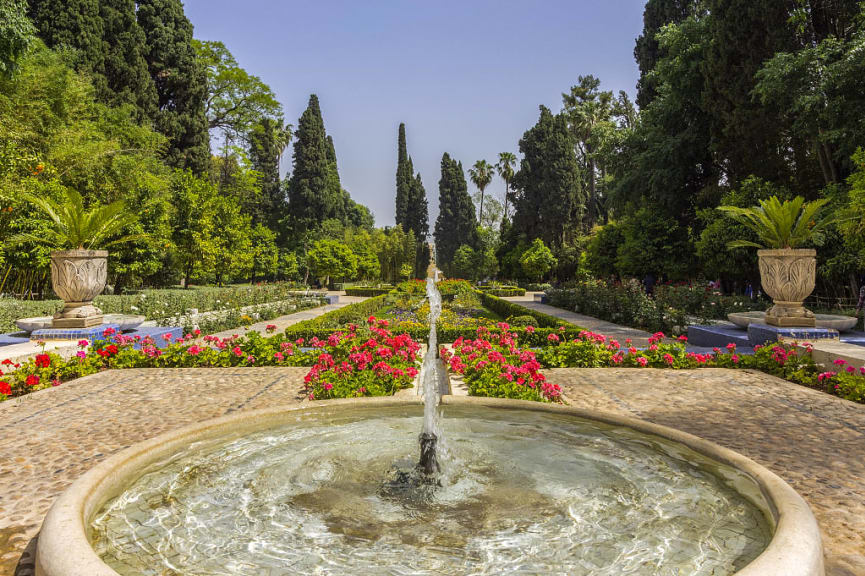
[{"x": 793, "y": 547}]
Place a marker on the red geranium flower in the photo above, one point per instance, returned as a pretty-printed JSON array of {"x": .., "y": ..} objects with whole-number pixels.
[
  {"x": 32, "y": 380},
  {"x": 43, "y": 360}
]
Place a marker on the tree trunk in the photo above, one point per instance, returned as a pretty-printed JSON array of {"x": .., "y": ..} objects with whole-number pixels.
[{"x": 481, "y": 210}]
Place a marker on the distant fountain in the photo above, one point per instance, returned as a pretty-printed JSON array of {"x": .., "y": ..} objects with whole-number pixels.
[{"x": 428, "y": 464}]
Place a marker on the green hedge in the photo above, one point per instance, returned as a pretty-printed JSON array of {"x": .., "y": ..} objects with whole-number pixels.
[
  {"x": 366, "y": 292},
  {"x": 339, "y": 318},
  {"x": 504, "y": 291},
  {"x": 506, "y": 309}
]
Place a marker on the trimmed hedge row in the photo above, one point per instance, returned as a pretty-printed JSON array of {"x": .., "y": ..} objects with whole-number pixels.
[
  {"x": 366, "y": 291},
  {"x": 326, "y": 323},
  {"x": 507, "y": 309},
  {"x": 504, "y": 292}
]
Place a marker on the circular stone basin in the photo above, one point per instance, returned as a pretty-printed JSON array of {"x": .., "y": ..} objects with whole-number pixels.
[
  {"x": 527, "y": 488},
  {"x": 126, "y": 322},
  {"x": 833, "y": 321}
]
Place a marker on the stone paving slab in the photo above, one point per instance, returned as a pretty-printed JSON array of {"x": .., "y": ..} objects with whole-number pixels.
[
  {"x": 639, "y": 338},
  {"x": 815, "y": 441}
]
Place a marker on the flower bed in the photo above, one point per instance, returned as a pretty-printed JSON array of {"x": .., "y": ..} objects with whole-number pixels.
[
  {"x": 494, "y": 365},
  {"x": 341, "y": 363},
  {"x": 589, "y": 350},
  {"x": 159, "y": 304}
]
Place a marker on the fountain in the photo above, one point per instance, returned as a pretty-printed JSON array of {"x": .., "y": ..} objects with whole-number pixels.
[
  {"x": 428, "y": 464},
  {"x": 522, "y": 487}
]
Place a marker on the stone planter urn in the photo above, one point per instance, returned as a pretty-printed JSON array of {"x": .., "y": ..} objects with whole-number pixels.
[
  {"x": 78, "y": 276},
  {"x": 788, "y": 276}
]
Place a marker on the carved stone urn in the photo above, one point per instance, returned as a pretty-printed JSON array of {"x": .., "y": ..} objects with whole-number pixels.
[
  {"x": 78, "y": 276},
  {"x": 788, "y": 276}
]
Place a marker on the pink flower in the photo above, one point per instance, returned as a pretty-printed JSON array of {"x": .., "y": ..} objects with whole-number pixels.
[
  {"x": 167, "y": 337},
  {"x": 327, "y": 386},
  {"x": 850, "y": 369},
  {"x": 83, "y": 343},
  {"x": 530, "y": 329},
  {"x": 668, "y": 359},
  {"x": 108, "y": 332},
  {"x": 270, "y": 328},
  {"x": 839, "y": 362},
  {"x": 553, "y": 338},
  {"x": 279, "y": 357},
  {"x": 250, "y": 359},
  {"x": 194, "y": 350},
  {"x": 81, "y": 354},
  {"x": 731, "y": 346},
  {"x": 735, "y": 358},
  {"x": 642, "y": 361},
  {"x": 683, "y": 338},
  {"x": 237, "y": 351}
]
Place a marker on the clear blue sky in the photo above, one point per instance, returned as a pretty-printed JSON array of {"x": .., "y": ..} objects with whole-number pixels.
[{"x": 466, "y": 76}]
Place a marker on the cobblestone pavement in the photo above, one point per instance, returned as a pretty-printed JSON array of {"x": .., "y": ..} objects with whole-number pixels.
[
  {"x": 639, "y": 338},
  {"x": 815, "y": 441}
]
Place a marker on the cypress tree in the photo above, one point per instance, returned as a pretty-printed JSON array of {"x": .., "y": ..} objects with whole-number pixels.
[
  {"x": 307, "y": 188},
  {"x": 335, "y": 196},
  {"x": 548, "y": 203},
  {"x": 404, "y": 172},
  {"x": 656, "y": 15},
  {"x": 181, "y": 83},
  {"x": 456, "y": 224},
  {"x": 417, "y": 220},
  {"x": 73, "y": 24},
  {"x": 264, "y": 150},
  {"x": 127, "y": 78}
]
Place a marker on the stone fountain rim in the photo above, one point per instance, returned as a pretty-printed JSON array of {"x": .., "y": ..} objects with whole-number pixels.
[{"x": 64, "y": 549}]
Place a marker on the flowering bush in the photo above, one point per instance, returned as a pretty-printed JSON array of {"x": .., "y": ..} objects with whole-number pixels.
[
  {"x": 494, "y": 365},
  {"x": 788, "y": 361},
  {"x": 395, "y": 357},
  {"x": 358, "y": 365}
]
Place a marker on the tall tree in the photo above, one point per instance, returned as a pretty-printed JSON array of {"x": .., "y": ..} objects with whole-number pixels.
[
  {"x": 456, "y": 224},
  {"x": 74, "y": 24},
  {"x": 548, "y": 204},
  {"x": 746, "y": 136},
  {"x": 417, "y": 220},
  {"x": 404, "y": 176},
  {"x": 589, "y": 112},
  {"x": 16, "y": 33},
  {"x": 656, "y": 15},
  {"x": 308, "y": 187},
  {"x": 127, "y": 78},
  {"x": 481, "y": 174},
  {"x": 264, "y": 151},
  {"x": 181, "y": 83},
  {"x": 335, "y": 194},
  {"x": 236, "y": 99},
  {"x": 505, "y": 168}
]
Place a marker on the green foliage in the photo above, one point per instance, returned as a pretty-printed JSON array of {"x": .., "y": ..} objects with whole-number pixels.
[
  {"x": 236, "y": 101},
  {"x": 74, "y": 26},
  {"x": 181, "y": 83},
  {"x": 456, "y": 224},
  {"x": 548, "y": 202},
  {"x": 852, "y": 219},
  {"x": 653, "y": 243},
  {"x": 602, "y": 250},
  {"x": 267, "y": 140},
  {"x": 404, "y": 173},
  {"x": 16, "y": 33},
  {"x": 788, "y": 224},
  {"x": 332, "y": 259},
  {"x": 538, "y": 260},
  {"x": 310, "y": 198},
  {"x": 505, "y": 169},
  {"x": 74, "y": 227},
  {"x": 127, "y": 78},
  {"x": 481, "y": 174},
  {"x": 507, "y": 309}
]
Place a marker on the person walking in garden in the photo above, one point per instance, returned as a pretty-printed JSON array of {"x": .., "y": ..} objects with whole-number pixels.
[{"x": 861, "y": 303}]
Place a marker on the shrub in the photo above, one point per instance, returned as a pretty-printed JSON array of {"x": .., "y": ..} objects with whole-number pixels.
[
  {"x": 525, "y": 320},
  {"x": 506, "y": 309},
  {"x": 366, "y": 291}
]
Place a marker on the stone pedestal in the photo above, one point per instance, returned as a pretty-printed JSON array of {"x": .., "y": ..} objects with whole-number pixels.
[{"x": 788, "y": 276}]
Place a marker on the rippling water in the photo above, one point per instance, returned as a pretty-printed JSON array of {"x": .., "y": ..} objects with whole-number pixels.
[{"x": 523, "y": 493}]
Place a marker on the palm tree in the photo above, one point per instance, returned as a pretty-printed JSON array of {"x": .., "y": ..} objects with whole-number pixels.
[
  {"x": 481, "y": 174},
  {"x": 505, "y": 166},
  {"x": 283, "y": 139}
]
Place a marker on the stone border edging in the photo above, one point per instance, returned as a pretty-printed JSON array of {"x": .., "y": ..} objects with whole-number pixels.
[{"x": 64, "y": 549}]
